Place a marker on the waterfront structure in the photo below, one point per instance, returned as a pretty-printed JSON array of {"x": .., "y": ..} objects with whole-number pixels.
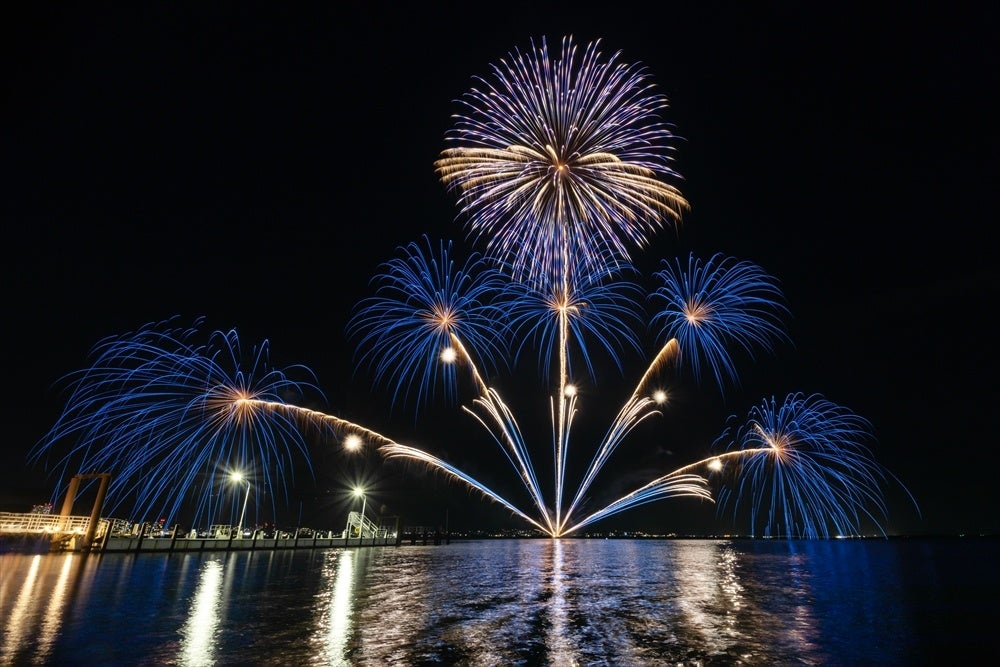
[{"x": 67, "y": 532}]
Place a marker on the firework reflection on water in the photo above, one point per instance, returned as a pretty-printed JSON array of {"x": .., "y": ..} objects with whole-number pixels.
[{"x": 503, "y": 602}]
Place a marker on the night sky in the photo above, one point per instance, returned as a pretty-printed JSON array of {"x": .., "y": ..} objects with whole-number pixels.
[{"x": 256, "y": 166}]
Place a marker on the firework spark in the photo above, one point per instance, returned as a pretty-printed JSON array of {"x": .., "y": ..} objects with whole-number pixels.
[
  {"x": 169, "y": 417},
  {"x": 495, "y": 416},
  {"x": 716, "y": 304},
  {"x": 421, "y": 299},
  {"x": 557, "y": 166},
  {"x": 560, "y": 160},
  {"x": 561, "y": 166},
  {"x": 600, "y": 309},
  {"x": 804, "y": 469}
]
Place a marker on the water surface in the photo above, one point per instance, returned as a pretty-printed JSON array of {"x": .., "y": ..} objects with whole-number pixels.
[{"x": 509, "y": 602}]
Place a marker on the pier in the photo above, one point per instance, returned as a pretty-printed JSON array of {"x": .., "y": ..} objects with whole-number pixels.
[
  {"x": 66, "y": 532},
  {"x": 70, "y": 533}
]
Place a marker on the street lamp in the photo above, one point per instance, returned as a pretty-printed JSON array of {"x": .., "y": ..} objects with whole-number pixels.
[
  {"x": 238, "y": 477},
  {"x": 358, "y": 491}
]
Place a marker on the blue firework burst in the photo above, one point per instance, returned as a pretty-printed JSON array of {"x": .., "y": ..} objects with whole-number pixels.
[
  {"x": 170, "y": 418},
  {"x": 714, "y": 305},
  {"x": 807, "y": 470},
  {"x": 422, "y": 299},
  {"x": 604, "y": 311}
]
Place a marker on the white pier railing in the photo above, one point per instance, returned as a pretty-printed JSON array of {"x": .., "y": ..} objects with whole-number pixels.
[
  {"x": 35, "y": 523},
  {"x": 358, "y": 526}
]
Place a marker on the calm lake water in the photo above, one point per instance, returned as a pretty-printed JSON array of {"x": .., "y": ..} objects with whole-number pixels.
[{"x": 511, "y": 602}]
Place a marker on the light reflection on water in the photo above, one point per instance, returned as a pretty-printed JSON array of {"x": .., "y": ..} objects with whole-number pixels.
[
  {"x": 335, "y": 607},
  {"x": 198, "y": 634},
  {"x": 526, "y": 602},
  {"x": 15, "y": 617},
  {"x": 558, "y": 641}
]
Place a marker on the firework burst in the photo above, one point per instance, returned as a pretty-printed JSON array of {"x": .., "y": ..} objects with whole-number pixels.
[
  {"x": 170, "y": 417},
  {"x": 714, "y": 305},
  {"x": 422, "y": 298},
  {"x": 560, "y": 160},
  {"x": 804, "y": 469},
  {"x": 735, "y": 293},
  {"x": 601, "y": 309},
  {"x": 561, "y": 166},
  {"x": 557, "y": 164}
]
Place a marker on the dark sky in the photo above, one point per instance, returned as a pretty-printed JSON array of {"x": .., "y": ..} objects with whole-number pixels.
[{"x": 255, "y": 166}]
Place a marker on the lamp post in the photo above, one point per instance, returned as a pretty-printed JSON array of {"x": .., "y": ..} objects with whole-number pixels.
[
  {"x": 358, "y": 491},
  {"x": 238, "y": 477}
]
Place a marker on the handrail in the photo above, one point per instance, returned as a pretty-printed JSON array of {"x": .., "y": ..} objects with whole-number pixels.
[
  {"x": 13, "y": 522},
  {"x": 366, "y": 527}
]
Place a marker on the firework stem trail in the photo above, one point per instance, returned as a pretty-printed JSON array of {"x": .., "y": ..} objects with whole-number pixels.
[
  {"x": 628, "y": 417},
  {"x": 457, "y": 343},
  {"x": 396, "y": 450},
  {"x": 738, "y": 453},
  {"x": 562, "y": 434},
  {"x": 667, "y": 353},
  {"x": 315, "y": 415},
  {"x": 631, "y": 414},
  {"x": 512, "y": 444},
  {"x": 669, "y": 486},
  {"x": 509, "y": 438}
]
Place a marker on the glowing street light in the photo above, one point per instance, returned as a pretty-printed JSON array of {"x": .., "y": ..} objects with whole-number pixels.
[
  {"x": 238, "y": 477},
  {"x": 358, "y": 491}
]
